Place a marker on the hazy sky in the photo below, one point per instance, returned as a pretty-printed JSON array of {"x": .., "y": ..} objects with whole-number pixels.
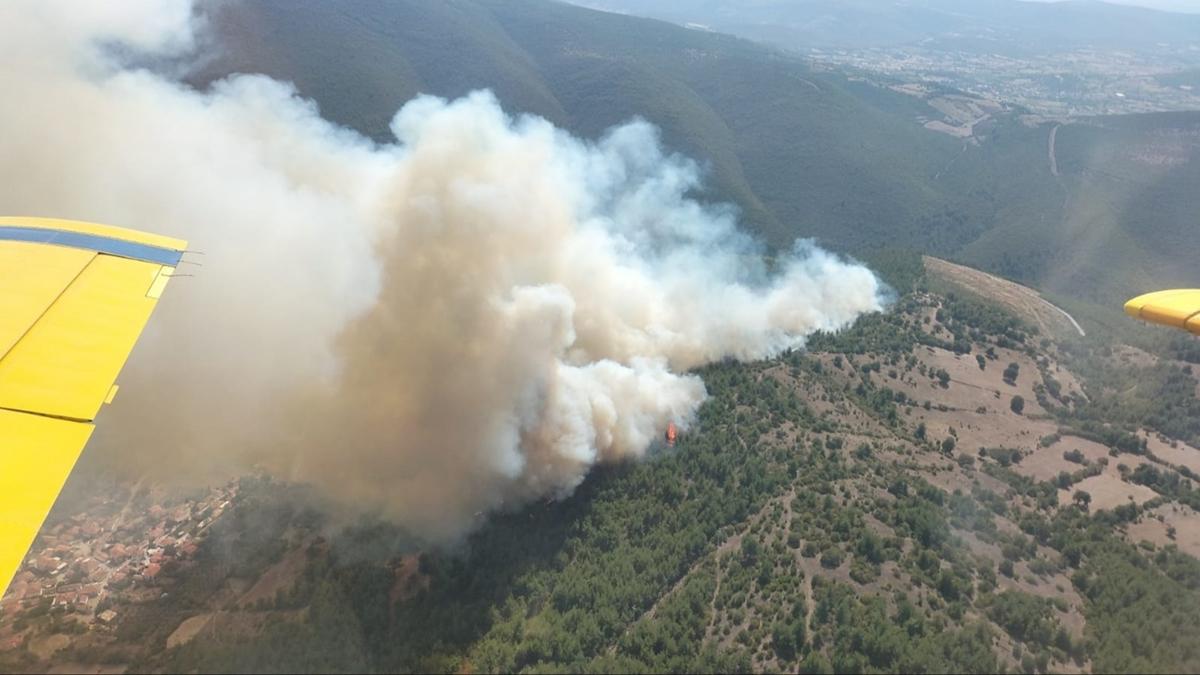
[{"x": 1192, "y": 6}]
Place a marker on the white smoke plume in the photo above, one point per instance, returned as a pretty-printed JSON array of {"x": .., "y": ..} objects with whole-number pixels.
[{"x": 470, "y": 317}]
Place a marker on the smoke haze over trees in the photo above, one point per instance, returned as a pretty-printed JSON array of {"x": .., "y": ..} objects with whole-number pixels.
[{"x": 468, "y": 317}]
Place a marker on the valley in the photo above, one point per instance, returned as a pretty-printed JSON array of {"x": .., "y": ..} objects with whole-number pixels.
[
  {"x": 536, "y": 336},
  {"x": 859, "y": 161}
]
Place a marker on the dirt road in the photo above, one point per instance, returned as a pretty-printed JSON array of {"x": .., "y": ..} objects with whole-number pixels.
[{"x": 1050, "y": 150}]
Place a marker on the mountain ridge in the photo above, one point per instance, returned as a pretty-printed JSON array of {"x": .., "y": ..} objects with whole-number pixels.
[{"x": 802, "y": 151}]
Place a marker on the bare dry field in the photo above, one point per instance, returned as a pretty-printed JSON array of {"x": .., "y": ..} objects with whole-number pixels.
[
  {"x": 1092, "y": 451},
  {"x": 989, "y": 430},
  {"x": 1185, "y": 521},
  {"x": 1022, "y": 300},
  {"x": 971, "y": 388},
  {"x": 1180, "y": 455},
  {"x": 1046, "y": 463},
  {"x": 1108, "y": 491}
]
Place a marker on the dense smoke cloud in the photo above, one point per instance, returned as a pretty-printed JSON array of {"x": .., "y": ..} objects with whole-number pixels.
[{"x": 470, "y": 317}]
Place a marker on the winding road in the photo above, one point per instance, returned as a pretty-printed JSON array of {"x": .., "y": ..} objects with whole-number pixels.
[{"x": 1050, "y": 150}]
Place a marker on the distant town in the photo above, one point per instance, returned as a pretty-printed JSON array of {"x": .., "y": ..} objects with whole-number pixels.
[
  {"x": 84, "y": 568},
  {"x": 1077, "y": 83}
]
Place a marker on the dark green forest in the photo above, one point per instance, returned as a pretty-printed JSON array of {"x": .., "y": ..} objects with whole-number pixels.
[
  {"x": 816, "y": 518},
  {"x": 785, "y": 531}
]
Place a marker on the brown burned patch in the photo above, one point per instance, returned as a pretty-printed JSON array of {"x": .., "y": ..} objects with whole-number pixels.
[
  {"x": 408, "y": 581},
  {"x": 229, "y": 623},
  {"x": 278, "y": 578},
  {"x": 188, "y": 630}
]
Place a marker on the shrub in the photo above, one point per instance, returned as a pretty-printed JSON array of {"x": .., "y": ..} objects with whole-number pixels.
[{"x": 1017, "y": 404}]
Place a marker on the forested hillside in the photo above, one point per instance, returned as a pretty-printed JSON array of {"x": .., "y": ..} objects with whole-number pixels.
[
  {"x": 803, "y": 152},
  {"x": 1118, "y": 219},
  {"x": 939, "y": 489},
  {"x": 798, "y": 153}
]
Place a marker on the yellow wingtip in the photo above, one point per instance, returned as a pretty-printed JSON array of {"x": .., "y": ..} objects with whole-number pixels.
[
  {"x": 1177, "y": 308},
  {"x": 83, "y": 227}
]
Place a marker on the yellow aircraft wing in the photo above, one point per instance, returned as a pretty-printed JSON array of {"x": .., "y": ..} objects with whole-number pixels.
[
  {"x": 73, "y": 300},
  {"x": 1178, "y": 308}
]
